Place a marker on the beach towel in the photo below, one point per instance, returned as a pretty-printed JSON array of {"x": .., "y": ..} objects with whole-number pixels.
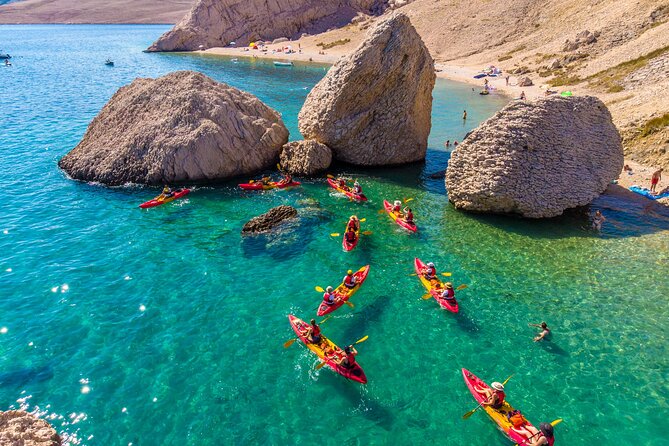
[{"x": 647, "y": 193}]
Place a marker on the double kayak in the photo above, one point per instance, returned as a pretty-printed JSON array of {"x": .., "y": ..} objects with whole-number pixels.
[
  {"x": 398, "y": 218},
  {"x": 348, "y": 246},
  {"x": 328, "y": 352},
  {"x": 435, "y": 287},
  {"x": 258, "y": 185},
  {"x": 160, "y": 200},
  {"x": 499, "y": 416},
  {"x": 343, "y": 293},
  {"x": 346, "y": 191}
]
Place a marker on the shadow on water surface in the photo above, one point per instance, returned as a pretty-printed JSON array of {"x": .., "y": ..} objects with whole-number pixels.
[
  {"x": 551, "y": 347},
  {"x": 21, "y": 377}
]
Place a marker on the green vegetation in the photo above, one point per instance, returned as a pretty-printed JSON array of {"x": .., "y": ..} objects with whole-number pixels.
[
  {"x": 655, "y": 125},
  {"x": 610, "y": 80},
  {"x": 327, "y": 46},
  {"x": 564, "y": 79}
]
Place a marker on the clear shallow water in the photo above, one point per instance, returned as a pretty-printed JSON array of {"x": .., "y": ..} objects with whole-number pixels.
[{"x": 203, "y": 364}]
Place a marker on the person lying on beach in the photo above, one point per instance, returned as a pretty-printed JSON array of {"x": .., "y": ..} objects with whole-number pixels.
[{"x": 545, "y": 331}]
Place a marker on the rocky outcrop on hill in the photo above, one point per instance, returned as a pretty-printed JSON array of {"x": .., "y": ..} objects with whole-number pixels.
[
  {"x": 269, "y": 220},
  {"x": 536, "y": 159},
  {"x": 20, "y": 428},
  {"x": 181, "y": 127},
  {"x": 373, "y": 107},
  {"x": 305, "y": 158},
  {"x": 213, "y": 23}
]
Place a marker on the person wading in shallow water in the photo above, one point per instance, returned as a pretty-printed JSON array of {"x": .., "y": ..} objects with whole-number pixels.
[
  {"x": 655, "y": 180},
  {"x": 598, "y": 220},
  {"x": 464, "y": 113},
  {"x": 545, "y": 331}
]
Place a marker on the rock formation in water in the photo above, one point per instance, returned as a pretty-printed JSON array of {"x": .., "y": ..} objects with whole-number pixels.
[
  {"x": 19, "y": 428},
  {"x": 373, "y": 107},
  {"x": 306, "y": 158},
  {"x": 269, "y": 220},
  {"x": 182, "y": 127},
  {"x": 213, "y": 23},
  {"x": 537, "y": 159}
]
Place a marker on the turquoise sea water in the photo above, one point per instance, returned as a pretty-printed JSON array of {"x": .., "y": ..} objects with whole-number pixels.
[{"x": 165, "y": 327}]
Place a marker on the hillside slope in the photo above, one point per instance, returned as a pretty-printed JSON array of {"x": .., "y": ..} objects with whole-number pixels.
[{"x": 94, "y": 11}]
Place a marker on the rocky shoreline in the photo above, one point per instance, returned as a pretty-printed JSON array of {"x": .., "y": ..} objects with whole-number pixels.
[{"x": 19, "y": 428}]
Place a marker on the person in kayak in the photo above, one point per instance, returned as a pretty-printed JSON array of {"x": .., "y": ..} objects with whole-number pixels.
[
  {"x": 342, "y": 183},
  {"x": 350, "y": 236},
  {"x": 349, "y": 279},
  {"x": 545, "y": 331},
  {"x": 544, "y": 436},
  {"x": 494, "y": 395},
  {"x": 397, "y": 207},
  {"x": 448, "y": 292},
  {"x": 353, "y": 223},
  {"x": 167, "y": 192},
  {"x": 348, "y": 361},
  {"x": 430, "y": 272},
  {"x": 356, "y": 188},
  {"x": 328, "y": 297},
  {"x": 265, "y": 181},
  {"x": 313, "y": 332},
  {"x": 408, "y": 215},
  {"x": 287, "y": 179}
]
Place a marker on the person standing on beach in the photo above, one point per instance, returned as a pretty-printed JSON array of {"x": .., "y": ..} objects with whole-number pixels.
[
  {"x": 655, "y": 179},
  {"x": 464, "y": 115},
  {"x": 507, "y": 80}
]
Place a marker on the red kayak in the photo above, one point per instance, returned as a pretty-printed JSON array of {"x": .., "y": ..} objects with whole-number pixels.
[
  {"x": 349, "y": 246},
  {"x": 343, "y": 293},
  {"x": 160, "y": 200},
  {"x": 399, "y": 218},
  {"x": 499, "y": 416},
  {"x": 435, "y": 287},
  {"x": 328, "y": 352},
  {"x": 346, "y": 191},
  {"x": 272, "y": 185}
]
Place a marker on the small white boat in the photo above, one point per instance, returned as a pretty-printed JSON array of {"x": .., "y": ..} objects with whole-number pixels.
[
  {"x": 283, "y": 64},
  {"x": 235, "y": 60},
  {"x": 109, "y": 63}
]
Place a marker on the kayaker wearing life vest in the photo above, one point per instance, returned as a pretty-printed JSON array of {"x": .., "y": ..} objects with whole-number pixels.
[
  {"x": 342, "y": 183},
  {"x": 287, "y": 179},
  {"x": 350, "y": 236},
  {"x": 328, "y": 296},
  {"x": 430, "y": 272},
  {"x": 356, "y": 188},
  {"x": 313, "y": 332},
  {"x": 349, "y": 279},
  {"x": 353, "y": 223},
  {"x": 544, "y": 436},
  {"x": 408, "y": 215},
  {"x": 265, "y": 181},
  {"x": 494, "y": 395},
  {"x": 448, "y": 292},
  {"x": 397, "y": 207},
  {"x": 348, "y": 361},
  {"x": 167, "y": 192}
]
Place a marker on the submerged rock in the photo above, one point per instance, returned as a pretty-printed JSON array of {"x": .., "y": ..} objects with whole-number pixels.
[
  {"x": 269, "y": 220},
  {"x": 537, "y": 159},
  {"x": 305, "y": 158},
  {"x": 24, "y": 429},
  {"x": 215, "y": 23},
  {"x": 180, "y": 127},
  {"x": 373, "y": 107}
]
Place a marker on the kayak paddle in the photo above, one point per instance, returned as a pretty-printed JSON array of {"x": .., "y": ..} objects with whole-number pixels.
[
  {"x": 553, "y": 423},
  {"x": 363, "y": 339},
  {"x": 427, "y": 296},
  {"x": 471, "y": 412},
  {"x": 461, "y": 287},
  {"x": 367, "y": 233},
  {"x": 335, "y": 234}
]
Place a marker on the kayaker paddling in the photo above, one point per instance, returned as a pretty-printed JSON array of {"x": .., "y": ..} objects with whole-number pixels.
[
  {"x": 408, "y": 215},
  {"x": 167, "y": 192},
  {"x": 397, "y": 207},
  {"x": 545, "y": 331},
  {"x": 348, "y": 361},
  {"x": 349, "y": 279},
  {"x": 350, "y": 236},
  {"x": 353, "y": 223},
  {"x": 356, "y": 188},
  {"x": 544, "y": 436},
  {"x": 313, "y": 332},
  {"x": 328, "y": 297},
  {"x": 265, "y": 181},
  {"x": 448, "y": 293},
  {"x": 430, "y": 271},
  {"x": 287, "y": 179},
  {"x": 494, "y": 395}
]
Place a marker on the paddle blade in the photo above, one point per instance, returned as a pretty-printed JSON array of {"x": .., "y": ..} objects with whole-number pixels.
[
  {"x": 335, "y": 234},
  {"x": 461, "y": 287},
  {"x": 252, "y": 181},
  {"x": 427, "y": 296},
  {"x": 446, "y": 274},
  {"x": 330, "y": 176},
  {"x": 364, "y": 338},
  {"x": 406, "y": 200},
  {"x": 367, "y": 233},
  {"x": 362, "y": 220},
  {"x": 278, "y": 166},
  {"x": 320, "y": 366},
  {"x": 382, "y": 211},
  {"x": 556, "y": 422},
  {"x": 469, "y": 414},
  {"x": 413, "y": 274},
  {"x": 323, "y": 321},
  {"x": 350, "y": 304},
  {"x": 507, "y": 380},
  {"x": 289, "y": 343},
  {"x": 319, "y": 289}
]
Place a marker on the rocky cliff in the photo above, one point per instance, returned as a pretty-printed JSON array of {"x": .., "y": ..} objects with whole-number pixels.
[
  {"x": 19, "y": 428},
  {"x": 214, "y": 23},
  {"x": 536, "y": 159},
  {"x": 181, "y": 127},
  {"x": 374, "y": 106}
]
